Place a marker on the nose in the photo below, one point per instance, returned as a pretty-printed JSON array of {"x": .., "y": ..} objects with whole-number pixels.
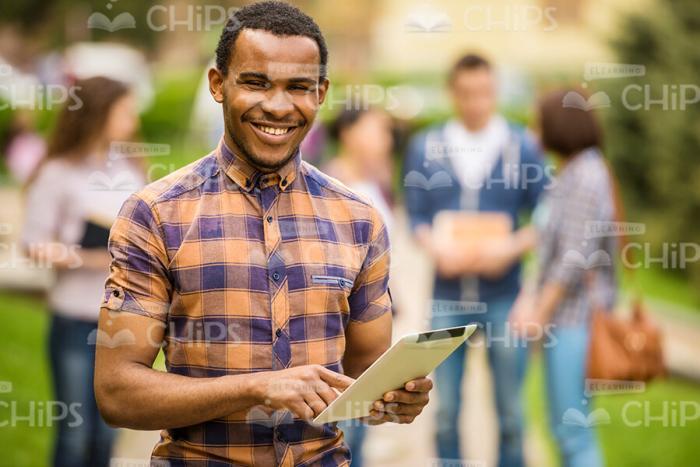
[{"x": 278, "y": 104}]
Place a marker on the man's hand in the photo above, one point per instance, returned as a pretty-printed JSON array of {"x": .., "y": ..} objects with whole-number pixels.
[
  {"x": 401, "y": 405},
  {"x": 304, "y": 390}
]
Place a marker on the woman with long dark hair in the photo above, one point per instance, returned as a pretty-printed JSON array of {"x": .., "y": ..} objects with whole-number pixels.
[{"x": 71, "y": 200}]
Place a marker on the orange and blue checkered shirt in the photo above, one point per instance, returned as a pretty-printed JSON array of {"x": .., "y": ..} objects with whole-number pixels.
[{"x": 250, "y": 272}]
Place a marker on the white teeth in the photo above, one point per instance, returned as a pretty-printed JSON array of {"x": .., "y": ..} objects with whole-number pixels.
[{"x": 273, "y": 131}]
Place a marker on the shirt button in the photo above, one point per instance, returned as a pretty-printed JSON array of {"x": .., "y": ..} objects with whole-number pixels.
[
  {"x": 115, "y": 293},
  {"x": 269, "y": 219},
  {"x": 276, "y": 276},
  {"x": 284, "y": 182},
  {"x": 278, "y": 332},
  {"x": 280, "y": 437}
]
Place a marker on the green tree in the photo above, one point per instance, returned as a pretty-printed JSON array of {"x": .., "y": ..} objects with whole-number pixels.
[{"x": 655, "y": 149}]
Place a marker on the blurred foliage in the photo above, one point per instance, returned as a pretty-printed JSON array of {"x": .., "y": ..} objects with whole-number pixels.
[
  {"x": 32, "y": 16},
  {"x": 655, "y": 150},
  {"x": 167, "y": 120}
]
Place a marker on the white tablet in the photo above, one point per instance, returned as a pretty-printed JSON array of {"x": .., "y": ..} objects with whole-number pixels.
[{"x": 413, "y": 356}]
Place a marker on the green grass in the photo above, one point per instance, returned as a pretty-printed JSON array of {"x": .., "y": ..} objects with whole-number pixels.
[
  {"x": 660, "y": 284},
  {"x": 23, "y": 362},
  {"x": 650, "y": 444}
]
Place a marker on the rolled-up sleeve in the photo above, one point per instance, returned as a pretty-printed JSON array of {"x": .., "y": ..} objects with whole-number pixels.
[
  {"x": 370, "y": 297},
  {"x": 138, "y": 281}
]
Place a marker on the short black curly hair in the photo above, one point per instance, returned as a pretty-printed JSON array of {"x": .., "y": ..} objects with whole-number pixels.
[{"x": 279, "y": 18}]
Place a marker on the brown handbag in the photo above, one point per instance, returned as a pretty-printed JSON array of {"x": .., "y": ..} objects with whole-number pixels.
[
  {"x": 620, "y": 348},
  {"x": 625, "y": 349}
]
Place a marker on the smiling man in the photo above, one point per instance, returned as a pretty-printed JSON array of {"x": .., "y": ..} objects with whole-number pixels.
[{"x": 264, "y": 280}]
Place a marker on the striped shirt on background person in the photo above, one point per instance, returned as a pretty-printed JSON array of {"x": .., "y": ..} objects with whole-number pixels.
[
  {"x": 250, "y": 272},
  {"x": 572, "y": 251}
]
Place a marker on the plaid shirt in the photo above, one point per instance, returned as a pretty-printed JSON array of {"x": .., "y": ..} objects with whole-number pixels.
[
  {"x": 574, "y": 249},
  {"x": 249, "y": 272}
]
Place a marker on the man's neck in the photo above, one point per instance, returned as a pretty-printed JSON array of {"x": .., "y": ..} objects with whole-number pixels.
[{"x": 474, "y": 127}]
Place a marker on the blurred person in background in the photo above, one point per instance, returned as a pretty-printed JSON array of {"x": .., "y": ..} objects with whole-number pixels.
[
  {"x": 71, "y": 200},
  {"x": 363, "y": 163},
  {"x": 566, "y": 289},
  {"x": 24, "y": 147},
  {"x": 365, "y": 142},
  {"x": 476, "y": 162}
]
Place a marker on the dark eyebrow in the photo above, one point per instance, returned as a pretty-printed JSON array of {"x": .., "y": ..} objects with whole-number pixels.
[
  {"x": 253, "y": 75},
  {"x": 302, "y": 81}
]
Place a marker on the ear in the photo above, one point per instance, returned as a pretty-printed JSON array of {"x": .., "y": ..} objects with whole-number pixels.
[
  {"x": 216, "y": 84},
  {"x": 323, "y": 90}
]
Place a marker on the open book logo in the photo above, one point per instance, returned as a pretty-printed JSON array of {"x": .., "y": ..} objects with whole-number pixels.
[
  {"x": 599, "y": 100},
  {"x": 428, "y": 20},
  {"x": 576, "y": 418},
  {"x": 416, "y": 179},
  {"x": 121, "y": 181},
  {"x": 99, "y": 20},
  {"x": 120, "y": 338},
  {"x": 599, "y": 258}
]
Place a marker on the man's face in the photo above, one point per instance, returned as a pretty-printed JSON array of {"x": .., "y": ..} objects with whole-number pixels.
[
  {"x": 474, "y": 96},
  {"x": 270, "y": 95}
]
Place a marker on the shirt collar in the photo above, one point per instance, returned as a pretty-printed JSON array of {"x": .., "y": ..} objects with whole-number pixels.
[{"x": 247, "y": 177}]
